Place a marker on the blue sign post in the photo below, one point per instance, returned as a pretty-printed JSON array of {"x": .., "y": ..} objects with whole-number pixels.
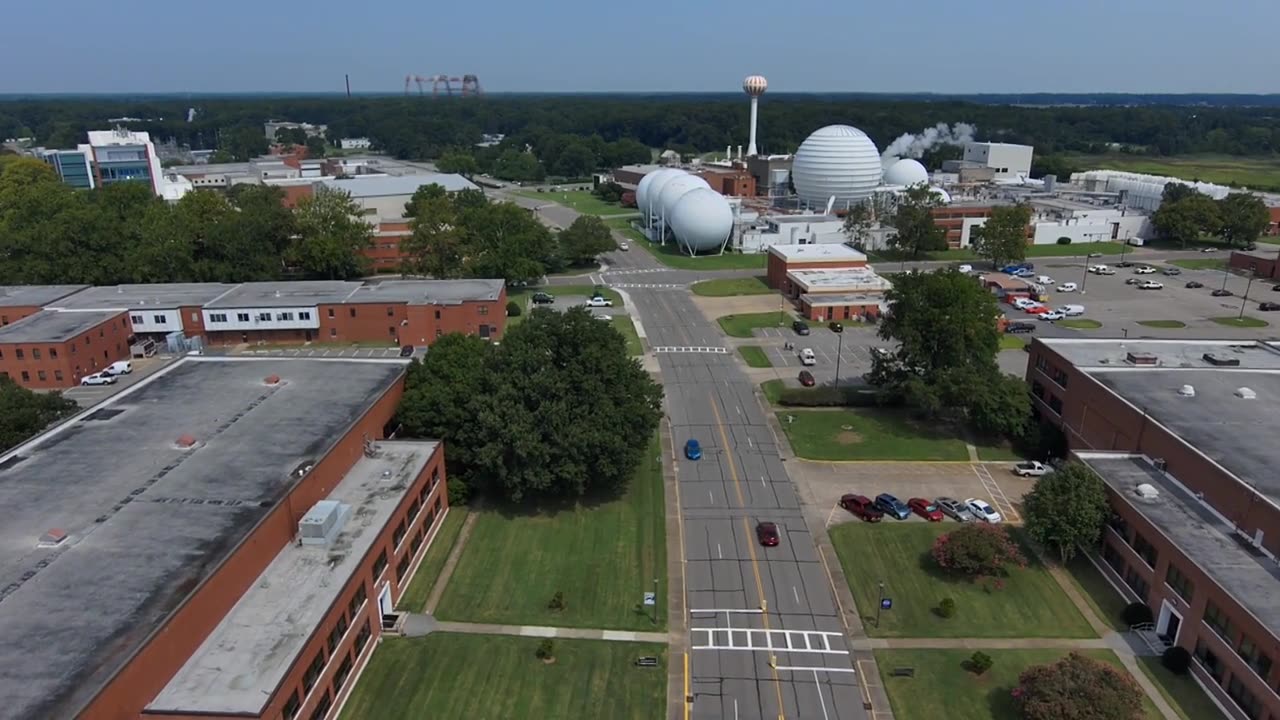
[{"x": 885, "y": 604}]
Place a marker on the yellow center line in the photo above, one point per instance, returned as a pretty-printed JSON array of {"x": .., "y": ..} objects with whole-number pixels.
[
  {"x": 751, "y": 548},
  {"x": 686, "y": 686}
]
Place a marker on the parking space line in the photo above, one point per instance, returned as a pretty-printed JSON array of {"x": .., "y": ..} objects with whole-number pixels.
[{"x": 998, "y": 497}]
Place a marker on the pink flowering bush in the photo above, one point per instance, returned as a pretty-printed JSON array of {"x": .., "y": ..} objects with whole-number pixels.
[{"x": 978, "y": 550}]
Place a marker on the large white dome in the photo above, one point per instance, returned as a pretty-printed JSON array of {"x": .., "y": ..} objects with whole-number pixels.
[
  {"x": 661, "y": 177},
  {"x": 906, "y": 172},
  {"x": 836, "y": 160},
  {"x": 672, "y": 191},
  {"x": 701, "y": 219},
  {"x": 646, "y": 183}
]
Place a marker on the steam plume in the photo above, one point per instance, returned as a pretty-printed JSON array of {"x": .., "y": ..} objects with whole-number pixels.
[{"x": 914, "y": 146}]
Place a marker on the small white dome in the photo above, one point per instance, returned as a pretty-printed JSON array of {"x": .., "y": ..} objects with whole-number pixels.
[
  {"x": 906, "y": 172},
  {"x": 646, "y": 193},
  {"x": 702, "y": 219},
  {"x": 839, "y": 161},
  {"x": 672, "y": 191}
]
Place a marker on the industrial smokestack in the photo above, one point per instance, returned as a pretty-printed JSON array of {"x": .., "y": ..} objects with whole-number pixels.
[
  {"x": 348, "y": 79},
  {"x": 754, "y": 86},
  {"x": 739, "y": 152}
]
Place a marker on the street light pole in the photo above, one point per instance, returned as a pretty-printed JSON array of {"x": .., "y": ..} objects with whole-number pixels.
[
  {"x": 1225, "y": 275},
  {"x": 1084, "y": 277},
  {"x": 879, "y": 604},
  {"x": 1245, "y": 299},
  {"x": 839, "y": 352}
]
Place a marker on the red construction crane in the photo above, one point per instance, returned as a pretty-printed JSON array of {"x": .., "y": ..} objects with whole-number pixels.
[{"x": 467, "y": 85}]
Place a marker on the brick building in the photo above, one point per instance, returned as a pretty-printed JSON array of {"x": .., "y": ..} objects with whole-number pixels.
[
  {"x": 782, "y": 259},
  {"x": 1181, "y": 432},
  {"x": 957, "y": 218},
  {"x": 243, "y": 533},
  {"x": 1260, "y": 263},
  {"x": 731, "y": 182},
  {"x": 19, "y": 301},
  {"x": 53, "y": 349},
  {"x": 826, "y": 281}
]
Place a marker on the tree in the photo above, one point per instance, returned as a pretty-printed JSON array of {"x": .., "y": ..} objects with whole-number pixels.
[
  {"x": 626, "y": 152},
  {"x": 584, "y": 239},
  {"x": 457, "y": 161},
  {"x": 1188, "y": 217},
  {"x": 1077, "y": 687},
  {"x": 915, "y": 230},
  {"x": 1176, "y": 192},
  {"x": 857, "y": 225},
  {"x": 24, "y": 413},
  {"x": 291, "y": 136},
  {"x": 315, "y": 146},
  {"x": 577, "y": 160},
  {"x": 1242, "y": 218},
  {"x": 1003, "y": 237},
  {"x": 244, "y": 143},
  {"x": 331, "y": 236},
  {"x": 421, "y": 195},
  {"x": 514, "y": 164},
  {"x": 504, "y": 240},
  {"x": 977, "y": 550},
  {"x": 1066, "y": 509},
  {"x": 435, "y": 246}
]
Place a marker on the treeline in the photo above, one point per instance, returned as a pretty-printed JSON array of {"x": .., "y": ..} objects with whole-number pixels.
[{"x": 420, "y": 128}]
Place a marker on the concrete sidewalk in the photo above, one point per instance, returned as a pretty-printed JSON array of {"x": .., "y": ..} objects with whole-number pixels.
[
  {"x": 982, "y": 644},
  {"x": 552, "y": 632}
]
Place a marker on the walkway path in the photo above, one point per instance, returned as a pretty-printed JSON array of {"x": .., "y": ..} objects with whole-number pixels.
[
  {"x": 551, "y": 632},
  {"x": 983, "y": 644},
  {"x": 437, "y": 591}
]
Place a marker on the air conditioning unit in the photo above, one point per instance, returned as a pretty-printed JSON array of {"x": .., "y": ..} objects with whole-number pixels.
[{"x": 323, "y": 522}]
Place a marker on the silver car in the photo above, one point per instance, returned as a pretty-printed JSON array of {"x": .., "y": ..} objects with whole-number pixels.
[{"x": 954, "y": 509}]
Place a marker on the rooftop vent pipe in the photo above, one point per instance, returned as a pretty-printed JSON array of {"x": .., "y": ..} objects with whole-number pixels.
[
  {"x": 186, "y": 441},
  {"x": 52, "y": 537},
  {"x": 1187, "y": 391}
]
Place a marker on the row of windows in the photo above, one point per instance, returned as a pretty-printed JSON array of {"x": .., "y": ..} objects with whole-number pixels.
[
  {"x": 20, "y": 354},
  {"x": 1213, "y": 665},
  {"x": 313, "y": 672},
  {"x": 1059, "y": 375}
]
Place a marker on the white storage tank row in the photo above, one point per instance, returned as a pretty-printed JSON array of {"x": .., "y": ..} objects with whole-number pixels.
[{"x": 700, "y": 218}]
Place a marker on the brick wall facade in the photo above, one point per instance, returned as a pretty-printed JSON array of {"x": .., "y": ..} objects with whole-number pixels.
[{"x": 57, "y": 365}]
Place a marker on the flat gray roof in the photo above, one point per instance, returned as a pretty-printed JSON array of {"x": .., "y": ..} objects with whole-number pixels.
[
  {"x": 286, "y": 294},
  {"x": 53, "y": 326},
  {"x": 34, "y": 295},
  {"x": 246, "y": 657},
  {"x": 427, "y": 292},
  {"x": 1201, "y": 534},
  {"x": 1102, "y": 353},
  {"x": 390, "y": 185},
  {"x": 149, "y": 296},
  {"x": 145, "y": 520}
]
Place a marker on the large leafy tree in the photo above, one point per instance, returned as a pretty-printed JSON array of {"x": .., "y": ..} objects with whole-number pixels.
[
  {"x": 1186, "y": 214},
  {"x": 1242, "y": 218},
  {"x": 576, "y": 160},
  {"x": 513, "y": 415},
  {"x": 457, "y": 161},
  {"x": 331, "y": 236},
  {"x": 1066, "y": 509},
  {"x": 435, "y": 245},
  {"x": 1003, "y": 237},
  {"x": 857, "y": 224},
  {"x": 584, "y": 239},
  {"x": 503, "y": 240},
  {"x": 915, "y": 231},
  {"x": 24, "y": 413},
  {"x": 1077, "y": 687}
]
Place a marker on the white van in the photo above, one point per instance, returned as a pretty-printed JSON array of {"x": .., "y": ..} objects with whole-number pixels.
[
  {"x": 807, "y": 357},
  {"x": 120, "y": 367},
  {"x": 1022, "y": 303},
  {"x": 1071, "y": 310},
  {"x": 1098, "y": 269}
]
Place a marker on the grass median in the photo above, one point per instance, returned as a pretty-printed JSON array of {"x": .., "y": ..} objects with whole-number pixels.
[
  {"x": 580, "y": 200},
  {"x": 742, "y": 326},
  {"x": 729, "y": 287},
  {"x": 1080, "y": 323},
  {"x": 1246, "y": 321},
  {"x": 1166, "y": 324},
  {"x": 754, "y": 356},
  {"x": 627, "y": 328}
]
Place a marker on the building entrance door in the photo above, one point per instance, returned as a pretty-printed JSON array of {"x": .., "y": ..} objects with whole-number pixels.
[{"x": 1168, "y": 624}]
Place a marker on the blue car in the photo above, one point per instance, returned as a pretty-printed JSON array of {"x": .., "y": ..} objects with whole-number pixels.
[
  {"x": 693, "y": 450},
  {"x": 890, "y": 505}
]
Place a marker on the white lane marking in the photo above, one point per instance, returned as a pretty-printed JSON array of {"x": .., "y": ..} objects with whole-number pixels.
[
  {"x": 712, "y": 496},
  {"x": 763, "y": 483},
  {"x": 832, "y": 514},
  {"x": 818, "y": 685},
  {"x": 719, "y": 551},
  {"x": 796, "y": 593},
  {"x": 732, "y": 639},
  {"x": 745, "y": 611},
  {"x": 735, "y": 709},
  {"x": 798, "y": 668}
]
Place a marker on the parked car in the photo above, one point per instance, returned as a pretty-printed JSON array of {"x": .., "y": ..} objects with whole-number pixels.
[
  {"x": 955, "y": 509},
  {"x": 1052, "y": 315},
  {"x": 925, "y": 509},
  {"x": 598, "y": 302},
  {"x": 1144, "y": 270},
  {"x": 1097, "y": 269},
  {"x": 1037, "y": 309},
  {"x": 541, "y": 298},
  {"x": 966, "y": 268},
  {"x": 1106, "y": 271},
  {"x": 835, "y": 326},
  {"x": 1133, "y": 281},
  {"x": 982, "y": 511},
  {"x": 1222, "y": 292},
  {"x": 406, "y": 351},
  {"x": 1095, "y": 254},
  {"x": 861, "y": 506},
  {"x": 806, "y": 378},
  {"x": 623, "y": 246},
  {"x": 1269, "y": 306},
  {"x": 693, "y": 450},
  {"x": 1071, "y": 310},
  {"x": 1193, "y": 285},
  {"x": 1022, "y": 303},
  {"x": 890, "y": 505},
  {"x": 1022, "y": 273},
  {"x": 1171, "y": 271},
  {"x": 1068, "y": 287},
  {"x": 801, "y": 327},
  {"x": 1044, "y": 280},
  {"x": 1124, "y": 264},
  {"x": 119, "y": 367},
  {"x": 1031, "y": 468},
  {"x": 98, "y": 379},
  {"x": 767, "y": 532},
  {"x": 1151, "y": 285},
  {"x": 807, "y": 357},
  {"x": 1208, "y": 249},
  {"x": 1020, "y": 327}
]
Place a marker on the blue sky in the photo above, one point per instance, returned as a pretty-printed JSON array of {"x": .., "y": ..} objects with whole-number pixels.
[{"x": 650, "y": 45}]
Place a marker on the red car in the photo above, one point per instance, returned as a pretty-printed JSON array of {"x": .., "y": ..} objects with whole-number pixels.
[
  {"x": 767, "y": 533},
  {"x": 1037, "y": 309},
  {"x": 925, "y": 509},
  {"x": 861, "y": 506},
  {"x": 806, "y": 378}
]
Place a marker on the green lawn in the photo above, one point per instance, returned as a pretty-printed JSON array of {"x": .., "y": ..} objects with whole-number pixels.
[
  {"x": 725, "y": 287},
  {"x": 624, "y": 325},
  {"x": 772, "y": 390},
  {"x": 1080, "y": 323},
  {"x": 1260, "y": 173},
  {"x": 742, "y": 325},
  {"x": 1012, "y": 342},
  {"x": 449, "y": 675},
  {"x": 671, "y": 256},
  {"x": 1247, "y": 321},
  {"x": 602, "y": 556},
  {"x": 415, "y": 597},
  {"x": 1200, "y": 263},
  {"x": 1107, "y": 604},
  {"x": 581, "y": 200},
  {"x": 999, "y": 451},
  {"x": 584, "y": 291},
  {"x": 1030, "y": 605},
  {"x": 943, "y": 688},
  {"x": 1181, "y": 691},
  {"x": 1168, "y": 324},
  {"x": 871, "y": 434},
  {"x": 754, "y": 356}
]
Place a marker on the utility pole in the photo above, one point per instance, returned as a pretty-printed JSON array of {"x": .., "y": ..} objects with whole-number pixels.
[
  {"x": 839, "y": 352},
  {"x": 1245, "y": 299}
]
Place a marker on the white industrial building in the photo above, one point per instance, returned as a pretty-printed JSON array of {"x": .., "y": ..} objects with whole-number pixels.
[
  {"x": 1141, "y": 191},
  {"x": 1006, "y": 160},
  {"x": 771, "y": 230},
  {"x": 384, "y": 196},
  {"x": 357, "y": 143}
]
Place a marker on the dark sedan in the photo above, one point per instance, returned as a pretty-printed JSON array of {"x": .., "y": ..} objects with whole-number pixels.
[
  {"x": 1222, "y": 292},
  {"x": 806, "y": 378},
  {"x": 768, "y": 535},
  {"x": 890, "y": 505},
  {"x": 1193, "y": 285}
]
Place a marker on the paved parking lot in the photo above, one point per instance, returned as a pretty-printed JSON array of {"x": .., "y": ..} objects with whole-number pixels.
[{"x": 86, "y": 395}]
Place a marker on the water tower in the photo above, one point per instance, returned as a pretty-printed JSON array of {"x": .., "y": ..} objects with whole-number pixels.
[{"x": 754, "y": 86}]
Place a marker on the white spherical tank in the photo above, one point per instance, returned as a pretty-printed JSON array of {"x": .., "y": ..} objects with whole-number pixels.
[
  {"x": 702, "y": 220},
  {"x": 671, "y": 193},
  {"x": 836, "y": 160},
  {"x": 755, "y": 85},
  {"x": 661, "y": 177},
  {"x": 906, "y": 172}
]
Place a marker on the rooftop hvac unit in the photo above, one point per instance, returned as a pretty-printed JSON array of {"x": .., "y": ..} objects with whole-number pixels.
[
  {"x": 323, "y": 522},
  {"x": 1246, "y": 393},
  {"x": 1140, "y": 358},
  {"x": 1146, "y": 491},
  {"x": 1220, "y": 361}
]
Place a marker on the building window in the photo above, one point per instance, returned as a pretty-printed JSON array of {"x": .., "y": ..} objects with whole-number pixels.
[
  {"x": 1041, "y": 363},
  {"x": 1216, "y": 619},
  {"x": 352, "y": 311},
  {"x": 1179, "y": 582},
  {"x": 160, "y": 320},
  {"x": 402, "y": 570},
  {"x": 439, "y": 332},
  {"x": 390, "y": 311},
  {"x": 322, "y": 707},
  {"x": 1120, "y": 525},
  {"x": 264, "y": 317},
  {"x": 35, "y": 353},
  {"x": 357, "y": 600},
  {"x": 437, "y": 314},
  {"x": 53, "y": 352},
  {"x": 414, "y": 507},
  {"x": 342, "y": 673},
  {"x": 1113, "y": 557},
  {"x": 1209, "y": 661},
  {"x": 392, "y": 330},
  {"x": 57, "y": 375},
  {"x": 1247, "y": 701},
  {"x": 333, "y": 332},
  {"x": 398, "y": 535},
  {"x": 1037, "y": 389},
  {"x": 217, "y": 317},
  {"x": 304, "y": 315},
  {"x": 1055, "y": 404},
  {"x": 40, "y": 374},
  {"x": 1256, "y": 659},
  {"x": 242, "y": 317},
  {"x": 26, "y": 376},
  {"x": 431, "y": 520},
  {"x": 335, "y": 635},
  {"x": 194, "y": 317},
  {"x": 1134, "y": 580},
  {"x": 330, "y": 312},
  {"x": 313, "y": 672},
  {"x": 292, "y": 706},
  {"x": 137, "y": 319},
  {"x": 1060, "y": 377},
  {"x": 415, "y": 543},
  {"x": 284, "y": 316},
  {"x": 380, "y": 564},
  {"x": 484, "y": 309},
  {"x": 1144, "y": 549},
  {"x": 19, "y": 354},
  {"x": 362, "y": 638}
]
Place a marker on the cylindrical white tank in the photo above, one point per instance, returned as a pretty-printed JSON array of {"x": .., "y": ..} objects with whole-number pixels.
[
  {"x": 649, "y": 210},
  {"x": 906, "y": 172},
  {"x": 702, "y": 219},
  {"x": 672, "y": 191},
  {"x": 837, "y": 160}
]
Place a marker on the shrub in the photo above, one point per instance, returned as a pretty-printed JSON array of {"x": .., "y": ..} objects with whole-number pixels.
[
  {"x": 557, "y": 602},
  {"x": 1064, "y": 240},
  {"x": 947, "y": 608},
  {"x": 513, "y": 309},
  {"x": 1177, "y": 659},
  {"x": 848, "y": 396},
  {"x": 980, "y": 662},
  {"x": 977, "y": 550},
  {"x": 546, "y": 650},
  {"x": 1077, "y": 687},
  {"x": 1136, "y": 614}
]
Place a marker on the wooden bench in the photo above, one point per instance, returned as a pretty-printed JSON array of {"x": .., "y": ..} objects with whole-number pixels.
[{"x": 647, "y": 661}]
